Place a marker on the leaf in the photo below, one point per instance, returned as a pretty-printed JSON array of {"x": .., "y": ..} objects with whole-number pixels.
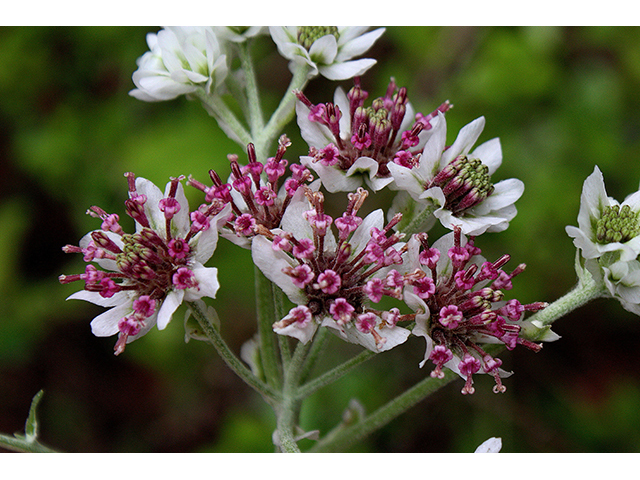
[{"x": 31, "y": 426}]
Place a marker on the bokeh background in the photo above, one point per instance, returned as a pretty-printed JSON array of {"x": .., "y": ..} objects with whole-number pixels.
[{"x": 561, "y": 100}]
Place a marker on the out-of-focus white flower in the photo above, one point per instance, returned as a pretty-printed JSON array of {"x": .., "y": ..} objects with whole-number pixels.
[
  {"x": 604, "y": 225},
  {"x": 332, "y": 280},
  {"x": 457, "y": 182},
  {"x": 327, "y": 50},
  {"x": 493, "y": 445},
  {"x": 350, "y": 143},
  {"x": 147, "y": 275},
  {"x": 181, "y": 61}
]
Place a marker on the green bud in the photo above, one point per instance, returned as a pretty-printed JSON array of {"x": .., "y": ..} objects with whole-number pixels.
[{"x": 308, "y": 35}]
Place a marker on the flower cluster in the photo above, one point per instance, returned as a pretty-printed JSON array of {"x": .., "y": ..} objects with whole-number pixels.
[
  {"x": 608, "y": 238},
  {"x": 180, "y": 61},
  {"x": 328, "y": 51},
  {"x": 457, "y": 184},
  {"x": 145, "y": 276},
  {"x": 254, "y": 200},
  {"x": 331, "y": 280},
  {"x": 336, "y": 270},
  {"x": 349, "y": 141},
  {"x": 461, "y": 307}
]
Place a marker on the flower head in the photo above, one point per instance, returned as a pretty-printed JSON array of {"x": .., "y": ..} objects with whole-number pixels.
[
  {"x": 604, "y": 225},
  {"x": 333, "y": 280},
  {"x": 257, "y": 193},
  {"x": 349, "y": 142},
  {"x": 180, "y": 60},
  {"x": 457, "y": 184},
  {"x": 327, "y": 50},
  {"x": 145, "y": 276},
  {"x": 464, "y": 308}
]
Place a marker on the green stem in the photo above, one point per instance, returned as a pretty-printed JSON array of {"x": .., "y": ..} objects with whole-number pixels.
[
  {"x": 343, "y": 437},
  {"x": 16, "y": 444},
  {"x": 333, "y": 374},
  {"x": 213, "y": 334},
  {"x": 415, "y": 223},
  {"x": 226, "y": 118},
  {"x": 284, "y": 113},
  {"x": 266, "y": 318},
  {"x": 317, "y": 346},
  {"x": 256, "y": 122},
  {"x": 582, "y": 294},
  {"x": 286, "y": 411}
]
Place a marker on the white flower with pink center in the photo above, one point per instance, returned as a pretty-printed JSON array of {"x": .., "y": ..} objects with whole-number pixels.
[
  {"x": 331, "y": 278},
  {"x": 147, "y": 275},
  {"x": 456, "y": 182},
  {"x": 351, "y": 144},
  {"x": 464, "y": 308}
]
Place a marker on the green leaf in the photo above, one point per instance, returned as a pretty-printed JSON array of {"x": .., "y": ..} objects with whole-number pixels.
[{"x": 31, "y": 426}]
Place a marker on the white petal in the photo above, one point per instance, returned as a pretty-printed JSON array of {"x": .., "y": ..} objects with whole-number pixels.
[
  {"x": 345, "y": 70},
  {"x": 208, "y": 285},
  {"x": 106, "y": 324},
  {"x": 407, "y": 179},
  {"x": 271, "y": 264},
  {"x": 304, "y": 334},
  {"x": 506, "y": 192},
  {"x": 493, "y": 445},
  {"x": 170, "y": 304},
  {"x": 324, "y": 50},
  {"x": 358, "y": 45},
  {"x": 315, "y": 134},
  {"x": 465, "y": 140},
  {"x": 97, "y": 299},
  {"x": 592, "y": 201},
  {"x": 362, "y": 234},
  {"x": 333, "y": 179},
  {"x": 151, "y": 207},
  {"x": 490, "y": 153}
]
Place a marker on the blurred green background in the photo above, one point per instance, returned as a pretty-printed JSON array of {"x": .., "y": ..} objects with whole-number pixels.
[{"x": 561, "y": 100}]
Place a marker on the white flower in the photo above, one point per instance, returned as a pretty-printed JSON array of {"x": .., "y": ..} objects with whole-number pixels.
[
  {"x": 147, "y": 275},
  {"x": 327, "y": 50},
  {"x": 329, "y": 279},
  {"x": 492, "y": 445},
  {"x": 181, "y": 61},
  {"x": 350, "y": 143},
  {"x": 456, "y": 182},
  {"x": 604, "y": 225}
]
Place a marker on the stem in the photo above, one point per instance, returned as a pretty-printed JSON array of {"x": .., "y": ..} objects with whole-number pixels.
[
  {"x": 334, "y": 374},
  {"x": 582, "y": 294},
  {"x": 226, "y": 118},
  {"x": 16, "y": 444},
  {"x": 256, "y": 122},
  {"x": 414, "y": 224},
  {"x": 287, "y": 409},
  {"x": 284, "y": 112},
  {"x": 213, "y": 334},
  {"x": 343, "y": 437},
  {"x": 266, "y": 309}
]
